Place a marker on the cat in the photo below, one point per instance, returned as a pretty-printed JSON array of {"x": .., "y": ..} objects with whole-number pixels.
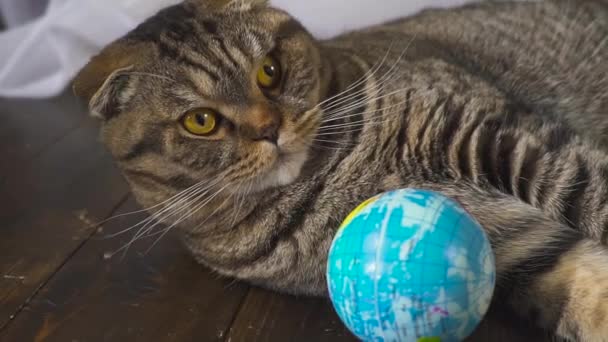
[{"x": 236, "y": 126}]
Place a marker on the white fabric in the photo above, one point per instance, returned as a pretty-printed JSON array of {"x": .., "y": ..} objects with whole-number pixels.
[
  {"x": 40, "y": 57},
  {"x": 16, "y": 12}
]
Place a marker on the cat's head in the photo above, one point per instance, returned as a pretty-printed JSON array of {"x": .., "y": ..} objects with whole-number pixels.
[{"x": 214, "y": 92}]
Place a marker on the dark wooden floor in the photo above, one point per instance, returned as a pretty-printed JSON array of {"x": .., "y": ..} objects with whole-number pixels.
[{"x": 56, "y": 182}]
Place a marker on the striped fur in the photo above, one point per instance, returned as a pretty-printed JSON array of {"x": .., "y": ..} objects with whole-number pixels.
[{"x": 501, "y": 106}]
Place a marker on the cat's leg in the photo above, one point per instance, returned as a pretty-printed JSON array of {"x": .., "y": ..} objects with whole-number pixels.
[{"x": 547, "y": 272}]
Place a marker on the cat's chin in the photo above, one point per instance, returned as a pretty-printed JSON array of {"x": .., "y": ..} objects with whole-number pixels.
[{"x": 285, "y": 171}]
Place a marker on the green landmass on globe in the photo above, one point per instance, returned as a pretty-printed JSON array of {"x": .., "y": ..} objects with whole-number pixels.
[{"x": 429, "y": 339}]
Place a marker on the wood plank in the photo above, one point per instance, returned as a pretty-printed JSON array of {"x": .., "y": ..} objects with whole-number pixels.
[
  {"x": 267, "y": 316},
  {"x": 48, "y": 202},
  {"x": 162, "y": 296},
  {"x": 44, "y": 179},
  {"x": 29, "y": 127},
  {"x": 34, "y": 246}
]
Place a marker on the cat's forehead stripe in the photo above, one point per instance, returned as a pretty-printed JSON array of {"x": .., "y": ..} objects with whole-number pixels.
[
  {"x": 289, "y": 27},
  {"x": 170, "y": 17},
  {"x": 187, "y": 59}
]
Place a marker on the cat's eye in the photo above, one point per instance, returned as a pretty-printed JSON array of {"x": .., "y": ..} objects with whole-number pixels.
[
  {"x": 269, "y": 74},
  {"x": 202, "y": 121}
]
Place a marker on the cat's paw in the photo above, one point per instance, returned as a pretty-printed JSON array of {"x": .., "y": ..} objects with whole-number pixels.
[{"x": 583, "y": 275}]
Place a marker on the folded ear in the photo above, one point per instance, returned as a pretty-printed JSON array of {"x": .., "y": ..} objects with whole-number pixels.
[
  {"x": 229, "y": 5},
  {"x": 247, "y": 4},
  {"x": 104, "y": 82}
]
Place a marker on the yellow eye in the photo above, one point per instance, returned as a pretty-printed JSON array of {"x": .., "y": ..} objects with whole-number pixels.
[
  {"x": 269, "y": 74},
  {"x": 201, "y": 121}
]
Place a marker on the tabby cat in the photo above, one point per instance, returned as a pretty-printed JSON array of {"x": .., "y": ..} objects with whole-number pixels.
[{"x": 232, "y": 123}]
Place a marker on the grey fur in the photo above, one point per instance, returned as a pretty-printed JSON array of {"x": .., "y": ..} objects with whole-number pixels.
[{"x": 501, "y": 106}]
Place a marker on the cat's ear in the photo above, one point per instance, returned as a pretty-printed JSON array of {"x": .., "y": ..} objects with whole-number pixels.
[
  {"x": 245, "y": 5},
  {"x": 105, "y": 81},
  {"x": 229, "y": 5}
]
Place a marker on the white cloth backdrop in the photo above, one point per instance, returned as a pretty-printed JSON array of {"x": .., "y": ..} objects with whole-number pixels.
[{"x": 49, "y": 41}]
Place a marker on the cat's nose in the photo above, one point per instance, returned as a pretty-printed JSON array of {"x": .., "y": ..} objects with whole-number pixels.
[
  {"x": 269, "y": 132},
  {"x": 263, "y": 123}
]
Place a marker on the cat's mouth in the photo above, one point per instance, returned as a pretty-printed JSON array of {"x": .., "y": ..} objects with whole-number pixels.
[
  {"x": 286, "y": 168},
  {"x": 285, "y": 165}
]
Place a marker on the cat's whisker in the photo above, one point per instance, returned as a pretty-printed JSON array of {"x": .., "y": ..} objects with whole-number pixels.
[
  {"x": 364, "y": 103},
  {"x": 329, "y": 148},
  {"x": 175, "y": 197},
  {"x": 357, "y": 126},
  {"x": 381, "y": 82},
  {"x": 173, "y": 201},
  {"x": 361, "y": 80},
  {"x": 228, "y": 199},
  {"x": 215, "y": 211},
  {"x": 347, "y": 112},
  {"x": 377, "y": 87},
  {"x": 323, "y": 147},
  {"x": 313, "y": 145},
  {"x": 310, "y": 143},
  {"x": 342, "y": 143},
  {"x": 188, "y": 215},
  {"x": 373, "y": 92},
  {"x": 396, "y": 105},
  {"x": 146, "y": 233},
  {"x": 147, "y": 236},
  {"x": 150, "y": 219},
  {"x": 174, "y": 209},
  {"x": 367, "y": 99},
  {"x": 368, "y": 74},
  {"x": 167, "y": 205},
  {"x": 359, "y": 123},
  {"x": 142, "y": 232},
  {"x": 329, "y": 134},
  {"x": 337, "y": 128},
  {"x": 350, "y": 114}
]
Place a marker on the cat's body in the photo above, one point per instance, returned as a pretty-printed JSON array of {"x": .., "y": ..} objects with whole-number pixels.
[{"x": 502, "y": 106}]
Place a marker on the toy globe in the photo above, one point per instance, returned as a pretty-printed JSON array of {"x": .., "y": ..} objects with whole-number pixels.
[{"x": 411, "y": 265}]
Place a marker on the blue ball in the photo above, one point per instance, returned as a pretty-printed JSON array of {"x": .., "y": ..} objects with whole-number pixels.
[{"x": 411, "y": 265}]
